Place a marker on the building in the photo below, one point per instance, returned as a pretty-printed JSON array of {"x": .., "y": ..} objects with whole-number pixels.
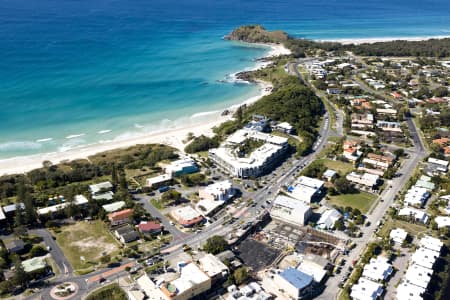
[
  {"x": 398, "y": 235},
  {"x": 150, "y": 227},
  {"x": 259, "y": 123},
  {"x": 182, "y": 167},
  {"x": 14, "y": 246},
  {"x": 135, "y": 295},
  {"x": 191, "y": 283},
  {"x": 112, "y": 207},
  {"x": 290, "y": 210},
  {"x": 100, "y": 188},
  {"x": 120, "y": 217},
  {"x": 366, "y": 179},
  {"x": 186, "y": 216},
  {"x": 431, "y": 243},
  {"x": 284, "y": 127},
  {"x": 418, "y": 275},
  {"x": 406, "y": 291},
  {"x": 366, "y": 289},
  {"x": 34, "y": 264},
  {"x": 329, "y": 174},
  {"x": 378, "y": 269},
  {"x": 442, "y": 221},
  {"x": 328, "y": 219},
  {"x": 261, "y": 160},
  {"x": 315, "y": 266},
  {"x": 378, "y": 161},
  {"x": 79, "y": 200},
  {"x": 389, "y": 126},
  {"x": 10, "y": 210},
  {"x": 126, "y": 234},
  {"x": 2, "y": 215},
  {"x": 151, "y": 290},
  {"x": 222, "y": 191},
  {"x": 213, "y": 267},
  {"x": 416, "y": 214},
  {"x": 438, "y": 164},
  {"x": 293, "y": 282},
  {"x": 158, "y": 181},
  {"x": 306, "y": 189},
  {"x": 362, "y": 120},
  {"x": 424, "y": 257},
  {"x": 387, "y": 111},
  {"x": 416, "y": 196}
]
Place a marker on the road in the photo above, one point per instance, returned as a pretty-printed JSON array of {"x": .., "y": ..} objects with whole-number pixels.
[{"x": 57, "y": 254}]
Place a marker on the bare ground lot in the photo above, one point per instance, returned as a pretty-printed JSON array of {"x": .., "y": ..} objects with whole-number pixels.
[{"x": 257, "y": 255}]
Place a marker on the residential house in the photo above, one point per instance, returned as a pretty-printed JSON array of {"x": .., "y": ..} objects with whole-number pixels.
[
  {"x": 398, "y": 235},
  {"x": 378, "y": 269},
  {"x": 120, "y": 217},
  {"x": 366, "y": 179},
  {"x": 126, "y": 234},
  {"x": 415, "y": 214},
  {"x": 366, "y": 289},
  {"x": 150, "y": 227},
  {"x": 328, "y": 219},
  {"x": 329, "y": 174},
  {"x": 14, "y": 246}
]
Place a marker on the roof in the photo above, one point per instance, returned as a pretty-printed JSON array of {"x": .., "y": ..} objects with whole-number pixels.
[
  {"x": 296, "y": 278},
  {"x": 120, "y": 215},
  {"x": 310, "y": 182},
  {"x": 104, "y": 196},
  {"x": 78, "y": 200},
  {"x": 159, "y": 179},
  {"x": 418, "y": 275},
  {"x": 407, "y": 291},
  {"x": 190, "y": 276},
  {"x": 378, "y": 269},
  {"x": 293, "y": 204},
  {"x": 150, "y": 288},
  {"x": 442, "y": 221},
  {"x": 114, "y": 206},
  {"x": 314, "y": 265},
  {"x": 417, "y": 214},
  {"x": 438, "y": 161},
  {"x": 149, "y": 226},
  {"x": 366, "y": 289},
  {"x": 329, "y": 173},
  {"x": 424, "y": 257},
  {"x": 95, "y": 188},
  {"x": 212, "y": 265},
  {"x": 431, "y": 243},
  {"x": 135, "y": 295},
  {"x": 218, "y": 188},
  {"x": 328, "y": 218},
  {"x": 12, "y": 207},
  {"x": 13, "y": 244},
  {"x": 285, "y": 125},
  {"x": 186, "y": 213},
  {"x": 2, "y": 214},
  {"x": 398, "y": 235},
  {"x": 34, "y": 264}
]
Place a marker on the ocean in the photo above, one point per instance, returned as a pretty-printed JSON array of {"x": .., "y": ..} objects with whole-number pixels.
[{"x": 79, "y": 72}]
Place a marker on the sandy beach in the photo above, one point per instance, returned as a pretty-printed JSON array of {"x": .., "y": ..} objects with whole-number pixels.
[
  {"x": 198, "y": 124},
  {"x": 383, "y": 39}
]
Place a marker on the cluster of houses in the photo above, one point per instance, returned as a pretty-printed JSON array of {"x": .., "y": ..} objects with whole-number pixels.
[
  {"x": 374, "y": 275},
  {"x": 420, "y": 270},
  {"x": 174, "y": 169}
]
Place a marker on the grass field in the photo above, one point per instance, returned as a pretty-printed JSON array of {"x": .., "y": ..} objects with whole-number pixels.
[
  {"x": 362, "y": 201},
  {"x": 412, "y": 229},
  {"x": 339, "y": 166},
  {"x": 89, "y": 239}
]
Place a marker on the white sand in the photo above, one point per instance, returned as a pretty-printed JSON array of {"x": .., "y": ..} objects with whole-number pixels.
[{"x": 385, "y": 39}]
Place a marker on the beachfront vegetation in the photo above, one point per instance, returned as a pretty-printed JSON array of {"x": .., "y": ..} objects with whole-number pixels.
[{"x": 202, "y": 143}]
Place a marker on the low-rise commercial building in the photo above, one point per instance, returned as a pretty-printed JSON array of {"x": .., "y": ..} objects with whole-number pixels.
[
  {"x": 290, "y": 210},
  {"x": 306, "y": 189},
  {"x": 182, "y": 167},
  {"x": 186, "y": 216},
  {"x": 213, "y": 267},
  {"x": 315, "y": 266},
  {"x": 158, "y": 181},
  {"x": 293, "y": 282}
]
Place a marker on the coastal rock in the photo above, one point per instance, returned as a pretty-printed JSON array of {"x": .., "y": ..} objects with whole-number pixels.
[
  {"x": 246, "y": 76},
  {"x": 257, "y": 34}
]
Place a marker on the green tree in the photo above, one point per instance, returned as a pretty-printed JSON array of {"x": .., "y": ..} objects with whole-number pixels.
[
  {"x": 240, "y": 275},
  {"x": 114, "y": 176},
  {"x": 20, "y": 277},
  {"x": 339, "y": 225},
  {"x": 105, "y": 259},
  {"x": 37, "y": 250},
  {"x": 215, "y": 245}
]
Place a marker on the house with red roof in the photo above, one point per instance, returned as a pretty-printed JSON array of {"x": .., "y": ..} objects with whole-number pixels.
[
  {"x": 120, "y": 217},
  {"x": 150, "y": 227}
]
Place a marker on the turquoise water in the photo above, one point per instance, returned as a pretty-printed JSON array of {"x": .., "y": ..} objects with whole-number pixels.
[{"x": 76, "y": 68}]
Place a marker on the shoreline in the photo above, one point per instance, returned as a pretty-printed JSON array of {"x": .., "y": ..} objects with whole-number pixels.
[
  {"x": 358, "y": 41},
  {"x": 172, "y": 137}
]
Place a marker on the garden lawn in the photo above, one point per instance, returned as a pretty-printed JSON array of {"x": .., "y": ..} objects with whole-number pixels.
[
  {"x": 412, "y": 229},
  {"x": 339, "y": 166},
  {"x": 362, "y": 201},
  {"x": 89, "y": 239}
]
